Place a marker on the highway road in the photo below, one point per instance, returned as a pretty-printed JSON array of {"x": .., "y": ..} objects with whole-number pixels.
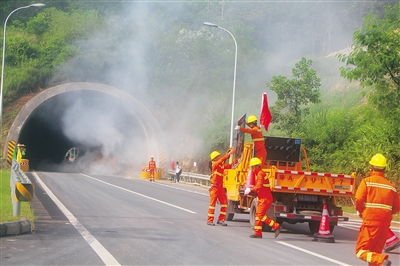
[{"x": 113, "y": 220}]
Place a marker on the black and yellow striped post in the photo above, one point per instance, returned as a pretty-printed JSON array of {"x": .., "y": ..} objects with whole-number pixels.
[
  {"x": 23, "y": 192},
  {"x": 10, "y": 151}
]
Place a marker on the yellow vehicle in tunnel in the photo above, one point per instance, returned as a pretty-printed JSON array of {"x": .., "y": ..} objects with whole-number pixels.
[{"x": 299, "y": 195}]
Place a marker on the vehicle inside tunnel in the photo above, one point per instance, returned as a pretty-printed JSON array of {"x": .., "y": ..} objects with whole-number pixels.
[{"x": 102, "y": 127}]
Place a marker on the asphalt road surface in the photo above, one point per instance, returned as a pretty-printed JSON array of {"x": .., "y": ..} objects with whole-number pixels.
[{"x": 111, "y": 220}]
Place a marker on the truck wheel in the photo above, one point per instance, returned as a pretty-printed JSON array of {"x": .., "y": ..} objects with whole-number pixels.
[
  {"x": 314, "y": 227},
  {"x": 252, "y": 214},
  {"x": 230, "y": 211}
]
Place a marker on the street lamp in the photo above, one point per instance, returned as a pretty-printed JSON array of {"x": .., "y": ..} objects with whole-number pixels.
[
  {"x": 2, "y": 64},
  {"x": 234, "y": 77}
]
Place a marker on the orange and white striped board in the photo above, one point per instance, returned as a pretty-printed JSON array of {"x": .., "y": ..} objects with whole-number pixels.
[{"x": 314, "y": 183}]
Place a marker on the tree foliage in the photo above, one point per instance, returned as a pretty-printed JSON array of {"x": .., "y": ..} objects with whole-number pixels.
[
  {"x": 375, "y": 62},
  {"x": 294, "y": 96}
]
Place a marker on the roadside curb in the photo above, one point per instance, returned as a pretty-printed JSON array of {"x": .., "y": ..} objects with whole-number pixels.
[{"x": 23, "y": 226}]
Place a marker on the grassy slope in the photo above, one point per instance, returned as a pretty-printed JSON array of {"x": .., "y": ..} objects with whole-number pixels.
[{"x": 6, "y": 207}]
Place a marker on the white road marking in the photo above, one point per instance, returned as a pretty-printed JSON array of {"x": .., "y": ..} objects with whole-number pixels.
[
  {"x": 144, "y": 196},
  {"x": 103, "y": 253},
  {"x": 313, "y": 253},
  {"x": 183, "y": 189}
]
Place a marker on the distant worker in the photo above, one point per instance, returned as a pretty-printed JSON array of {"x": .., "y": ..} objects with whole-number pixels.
[
  {"x": 19, "y": 151},
  {"x": 178, "y": 172},
  {"x": 376, "y": 200},
  {"x": 264, "y": 200},
  {"x": 72, "y": 154},
  {"x": 152, "y": 168},
  {"x": 217, "y": 192},
  {"x": 256, "y": 134}
]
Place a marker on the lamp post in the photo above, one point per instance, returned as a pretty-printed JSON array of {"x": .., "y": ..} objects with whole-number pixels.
[
  {"x": 234, "y": 77},
  {"x": 2, "y": 64}
]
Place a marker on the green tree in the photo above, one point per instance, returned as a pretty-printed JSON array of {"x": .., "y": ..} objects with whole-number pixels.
[
  {"x": 375, "y": 63},
  {"x": 294, "y": 95}
]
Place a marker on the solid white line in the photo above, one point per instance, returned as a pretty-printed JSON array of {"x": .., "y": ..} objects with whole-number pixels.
[
  {"x": 133, "y": 192},
  {"x": 103, "y": 253},
  {"x": 313, "y": 253}
]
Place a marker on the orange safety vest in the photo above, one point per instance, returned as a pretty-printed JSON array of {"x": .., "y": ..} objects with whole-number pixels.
[
  {"x": 218, "y": 168},
  {"x": 256, "y": 136},
  {"x": 152, "y": 165},
  {"x": 262, "y": 187},
  {"x": 377, "y": 199}
]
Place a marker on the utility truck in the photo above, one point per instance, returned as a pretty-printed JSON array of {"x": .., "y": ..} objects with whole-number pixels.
[{"x": 298, "y": 195}]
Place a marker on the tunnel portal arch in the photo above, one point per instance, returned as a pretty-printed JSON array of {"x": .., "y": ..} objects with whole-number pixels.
[{"x": 134, "y": 110}]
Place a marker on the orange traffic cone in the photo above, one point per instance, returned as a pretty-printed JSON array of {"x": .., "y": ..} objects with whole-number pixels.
[
  {"x": 392, "y": 242},
  {"x": 324, "y": 233},
  {"x": 250, "y": 181}
]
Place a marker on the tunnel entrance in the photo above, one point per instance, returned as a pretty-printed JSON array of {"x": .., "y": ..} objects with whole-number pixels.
[{"x": 112, "y": 130}]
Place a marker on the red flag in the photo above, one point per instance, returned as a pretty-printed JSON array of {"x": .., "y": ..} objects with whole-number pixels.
[
  {"x": 265, "y": 116},
  {"x": 173, "y": 164}
]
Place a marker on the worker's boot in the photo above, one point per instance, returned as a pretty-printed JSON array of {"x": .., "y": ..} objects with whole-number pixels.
[
  {"x": 277, "y": 231},
  {"x": 255, "y": 236},
  {"x": 222, "y": 223},
  {"x": 393, "y": 246},
  {"x": 386, "y": 263}
]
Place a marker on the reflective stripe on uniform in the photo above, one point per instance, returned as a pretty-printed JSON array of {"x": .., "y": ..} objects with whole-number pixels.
[
  {"x": 377, "y": 206},
  {"x": 360, "y": 252},
  {"x": 217, "y": 173},
  {"x": 372, "y": 184},
  {"x": 258, "y": 139},
  {"x": 211, "y": 207},
  {"x": 369, "y": 257},
  {"x": 224, "y": 205},
  {"x": 258, "y": 227},
  {"x": 266, "y": 185}
]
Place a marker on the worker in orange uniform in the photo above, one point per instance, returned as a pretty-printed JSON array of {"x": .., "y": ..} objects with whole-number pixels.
[
  {"x": 217, "y": 192},
  {"x": 256, "y": 134},
  {"x": 376, "y": 200},
  {"x": 264, "y": 200},
  {"x": 152, "y": 168}
]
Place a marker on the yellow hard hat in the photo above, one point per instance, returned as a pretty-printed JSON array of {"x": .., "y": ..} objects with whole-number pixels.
[
  {"x": 378, "y": 160},
  {"x": 151, "y": 157},
  {"x": 214, "y": 154},
  {"x": 251, "y": 119},
  {"x": 255, "y": 161}
]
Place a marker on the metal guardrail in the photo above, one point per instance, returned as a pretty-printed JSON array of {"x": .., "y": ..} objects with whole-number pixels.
[
  {"x": 202, "y": 180},
  {"x": 21, "y": 187}
]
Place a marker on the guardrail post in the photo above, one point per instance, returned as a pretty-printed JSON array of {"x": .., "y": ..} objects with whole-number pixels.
[{"x": 21, "y": 187}]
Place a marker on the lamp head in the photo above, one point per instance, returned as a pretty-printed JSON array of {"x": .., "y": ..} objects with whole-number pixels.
[
  {"x": 210, "y": 24},
  {"x": 37, "y": 5}
]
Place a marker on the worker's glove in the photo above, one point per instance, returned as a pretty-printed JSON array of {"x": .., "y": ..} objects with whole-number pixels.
[
  {"x": 237, "y": 127},
  {"x": 359, "y": 214},
  {"x": 247, "y": 191}
]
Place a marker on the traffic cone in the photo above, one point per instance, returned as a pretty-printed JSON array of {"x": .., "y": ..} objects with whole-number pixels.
[
  {"x": 324, "y": 232},
  {"x": 250, "y": 181},
  {"x": 392, "y": 242}
]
